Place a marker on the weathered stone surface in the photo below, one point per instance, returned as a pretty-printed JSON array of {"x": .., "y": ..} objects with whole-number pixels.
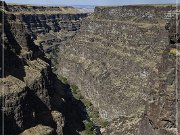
[
  {"x": 25, "y": 100},
  {"x": 39, "y": 130},
  {"x": 58, "y": 118},
  {"x": 121, "y": 61},
  {"x": 136, "y": 13},
  {"x": 26, "y": 86},
  {"x": 14, "y": 96}
]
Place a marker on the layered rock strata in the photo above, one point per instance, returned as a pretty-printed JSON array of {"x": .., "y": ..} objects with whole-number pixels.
[
  {"x": 123, "y": 61},
  {"x": 26, "y": 83},
  {"x": 49, "y": 25}
]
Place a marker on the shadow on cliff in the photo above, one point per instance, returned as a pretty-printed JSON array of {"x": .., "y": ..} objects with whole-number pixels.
[
  {"x": 13, "y": 65},
  {"x": 11, "y": 37},
  {"x": 9, "y": 126},
  {"x": 41, "y": 111},
  {"x": 31, "y": 112},
  {"x": 72, "y": 109}
]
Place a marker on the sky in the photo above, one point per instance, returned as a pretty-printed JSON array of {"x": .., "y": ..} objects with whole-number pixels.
[{"x": 91, "y": 2}]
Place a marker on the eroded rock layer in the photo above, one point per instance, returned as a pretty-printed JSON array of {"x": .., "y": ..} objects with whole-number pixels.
[
  {"x": 123, "y": 61},
  {"x": 49, "y": 26},
  {"x": 26, "y": 83}
]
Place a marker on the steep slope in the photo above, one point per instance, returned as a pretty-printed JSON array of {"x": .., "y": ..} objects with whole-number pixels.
[
  {"x": 122, "y": 61},
  {"x": 26, "y": 85},
  {"x": 33, "y": 100},
  {"x": 49, "y": 27}
]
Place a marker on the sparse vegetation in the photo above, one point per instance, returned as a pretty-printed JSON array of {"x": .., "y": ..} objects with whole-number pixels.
[
  {"x": 173, "y": 51},
  {"x": 104, "y": 123},
  {"x": 64, "y": 80},
  {"x": 76, "y": 92},
  {"x": 74, "y": 88},
  {"x": 87, "y": 103},
  {"x": 93, "y": 112},
  {"x": 89, "y": 128},
  {"x": 78, "y": 96}
]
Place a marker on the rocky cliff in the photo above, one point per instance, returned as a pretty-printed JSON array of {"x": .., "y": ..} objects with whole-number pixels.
[
  {"x": 46, "y": 23},
  {"x": 49, "y": 27},
  {"x": 124, "y": 61},
  {"x": 33, "y": 100},
  {"x": 26, "y": 83},
  {"x": 122, "y": 64}
]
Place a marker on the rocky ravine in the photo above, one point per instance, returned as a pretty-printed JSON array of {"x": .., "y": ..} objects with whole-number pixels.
[{"x": 123, "y": 61}]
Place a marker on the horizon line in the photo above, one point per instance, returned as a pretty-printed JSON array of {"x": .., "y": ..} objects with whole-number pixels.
[{"x": 33, "y": 4}]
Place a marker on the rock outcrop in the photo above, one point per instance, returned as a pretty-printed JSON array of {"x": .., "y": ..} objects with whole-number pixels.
[
  {"x": 45, "y": 24},
  {"x": 26, "y": 83},
  {"x": 33, "y": 100},
  {"x": 49, "y": 27},
  {"x": 123, "y": 61},
  {"x": 39, "y": 130}
]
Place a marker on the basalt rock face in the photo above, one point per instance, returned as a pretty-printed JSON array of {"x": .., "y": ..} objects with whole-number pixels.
[
  {"x": 33, "y": 100},
  {"x": 26, "y": 84},
  {"x": 49, "y": 26},
  {"x": 44, "y": 23},
  {"x": 122, "y": 61}
]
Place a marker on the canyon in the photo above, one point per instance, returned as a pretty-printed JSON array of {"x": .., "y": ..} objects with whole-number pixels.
[{"x": 112, "y": 72}]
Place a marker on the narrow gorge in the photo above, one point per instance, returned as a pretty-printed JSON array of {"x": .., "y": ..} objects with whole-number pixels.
[{"x": 111, "y": 72}]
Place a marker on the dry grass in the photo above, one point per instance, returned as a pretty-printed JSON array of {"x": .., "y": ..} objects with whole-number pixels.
[{"x": 43, "y": 9}]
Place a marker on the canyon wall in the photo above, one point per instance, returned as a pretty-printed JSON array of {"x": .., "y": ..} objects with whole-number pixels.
[
  {"x": 48, "y": 24},
  {"x": 33, "y": 100},
  {"x": 49, "y": 27},
  {"x": 122, "y": 60},
  {"x": 26, "y": 83}
]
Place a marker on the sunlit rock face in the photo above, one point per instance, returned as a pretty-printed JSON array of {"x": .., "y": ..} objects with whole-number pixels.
[{"x": 121, "y": 60}]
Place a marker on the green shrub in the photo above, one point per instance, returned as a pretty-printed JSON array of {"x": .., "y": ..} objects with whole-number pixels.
[
  {"x": 74, "y": 88},
  {"x": 78, "y": 96},
  {"x": 94, "y": 114},
  {"x": 173, "y": 51},
  {"x": 104, "y": 123},
  {"x": 89, "y": 128},
  {"x": 64, "y": 80},
  {"x": 87, "y": 103}
]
